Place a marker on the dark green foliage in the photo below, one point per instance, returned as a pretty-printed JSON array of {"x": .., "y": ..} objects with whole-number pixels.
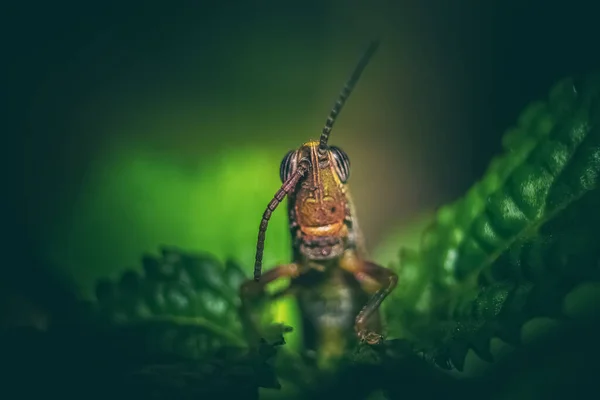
[
  {"x": 392, "y": 369},
  {"x": 99, "y": 363},
  {"x": 180, "y": 319},
  {"x": 518, "y": 242},
  {"x": 171, "y": 332},
  {"x": 227, "y": 372},
  {"x": 181, "y": 304}
]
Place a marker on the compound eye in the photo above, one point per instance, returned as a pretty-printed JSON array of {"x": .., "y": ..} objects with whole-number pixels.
[
  {"x": 341, "y": 163},
  {"x": 288, "y": 164}
]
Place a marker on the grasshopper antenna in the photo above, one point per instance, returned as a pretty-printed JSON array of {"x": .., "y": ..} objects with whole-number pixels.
[
  {"x": 287, "y": 187},
  {"x": 345, "y": 93}
]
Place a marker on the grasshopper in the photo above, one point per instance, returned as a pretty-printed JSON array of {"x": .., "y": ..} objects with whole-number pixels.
[{"x": 336, "y": 287}]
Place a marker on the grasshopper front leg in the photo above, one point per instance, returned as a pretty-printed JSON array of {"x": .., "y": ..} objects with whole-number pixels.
[
  {"x": 366, "y": 271},
  {"x": 251, "y": 290}
]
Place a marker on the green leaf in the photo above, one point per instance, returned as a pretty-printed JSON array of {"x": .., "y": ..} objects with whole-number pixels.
[
  {"x": 183, "y": 304},
  {"x": 517, "y": 242},
  {"x": 173, "y": 331}
]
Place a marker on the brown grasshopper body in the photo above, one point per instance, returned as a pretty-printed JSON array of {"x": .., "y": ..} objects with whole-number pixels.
[{"x": 338, "y": 291}]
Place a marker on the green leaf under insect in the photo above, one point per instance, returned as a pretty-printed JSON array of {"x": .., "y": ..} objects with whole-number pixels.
[
  {"x": 188, "y": 301},
  {"x": 171, "y": 332}
]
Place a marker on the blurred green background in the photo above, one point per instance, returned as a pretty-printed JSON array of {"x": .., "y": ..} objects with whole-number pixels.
[{"x": 135, "y": 124}]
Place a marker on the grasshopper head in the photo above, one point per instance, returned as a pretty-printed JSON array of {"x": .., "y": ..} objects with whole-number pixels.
[
  {"x": 315, "y": 176},
  {"x": 319, "y": 201}
]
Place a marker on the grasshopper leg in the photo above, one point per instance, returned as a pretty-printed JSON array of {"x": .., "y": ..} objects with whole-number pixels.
[
  {"x": 250, "y": 291},
  {"x": 384, "y": 278}
]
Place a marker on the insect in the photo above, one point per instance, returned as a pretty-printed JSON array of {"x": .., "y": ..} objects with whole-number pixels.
[{"x": 338, "y": 291}]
